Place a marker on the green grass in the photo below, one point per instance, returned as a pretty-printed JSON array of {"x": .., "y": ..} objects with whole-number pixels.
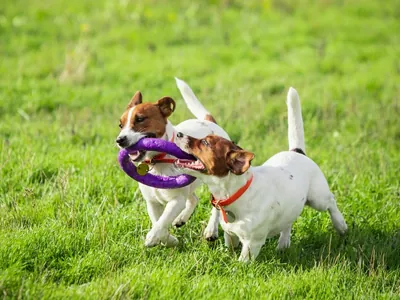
[{"x": 72, "y": 224}]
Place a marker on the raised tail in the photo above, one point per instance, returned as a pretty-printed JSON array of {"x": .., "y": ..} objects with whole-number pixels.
[
  {"x": 295, "y": 122},
  {"x": 194, "y": 105}
]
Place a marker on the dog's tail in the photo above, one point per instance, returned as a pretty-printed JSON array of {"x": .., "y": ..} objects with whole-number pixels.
[
  {"x": 295, "y": 122},
  {"x": 194, "y": 105}
]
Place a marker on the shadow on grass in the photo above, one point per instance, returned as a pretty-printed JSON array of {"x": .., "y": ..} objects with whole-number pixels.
[{"x": 363, "y": 248}]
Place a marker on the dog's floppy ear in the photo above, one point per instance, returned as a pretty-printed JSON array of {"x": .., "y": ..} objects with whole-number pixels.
[
  {"x": 238, "y": 161},
  {"x": 136, "y": 99},
  {"x": 166, "y": 105}
]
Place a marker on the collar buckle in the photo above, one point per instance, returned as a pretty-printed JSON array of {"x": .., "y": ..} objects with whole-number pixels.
[
  {"x": 219, "y": 204},
  {"x": 160, "y": 158}
]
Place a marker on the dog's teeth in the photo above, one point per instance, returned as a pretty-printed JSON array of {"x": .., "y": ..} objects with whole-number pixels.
[{"x": 195, "y": 165}]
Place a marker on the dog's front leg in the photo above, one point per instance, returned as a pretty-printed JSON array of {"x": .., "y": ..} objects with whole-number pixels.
[
  {"x": 155, "y": 210},
  {"x": 184, "y": 216},
  {"x": 159, "y": 233},
  {"x": 211, "y": 231},
  {"x": 250, "y": 250},
  {"x": 284, "y": 238},
  {"x": 231, "y": 240}
]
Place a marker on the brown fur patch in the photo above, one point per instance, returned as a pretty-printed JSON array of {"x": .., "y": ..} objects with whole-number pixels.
[
  {"x": 136, "y": 99},
  {"x": 210, "y": 118},
  {"x": 220, "y": 156},
  {"x": 239, "y": 161},
  {"x": 166, "y": 106},
  {"x": 146, "y": 118}
]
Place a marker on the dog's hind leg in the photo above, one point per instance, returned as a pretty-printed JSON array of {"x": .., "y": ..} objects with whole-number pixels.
[
  {"x": 284, "y": 238},
  {"x": 336, "y": 216},
  {"x": 320, "y": 198},
  {"x": 328, "y": 203},
  {"x": 184, "y": 216}
]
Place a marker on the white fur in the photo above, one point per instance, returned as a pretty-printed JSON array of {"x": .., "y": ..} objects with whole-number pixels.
[
  {"x": 131, "y": 136},
  {"x": 194, "y": 105},
  {"x": 175, "y": 206},
  {"x": 295, "y": 121},
  {"x": 280, "y": 189}
]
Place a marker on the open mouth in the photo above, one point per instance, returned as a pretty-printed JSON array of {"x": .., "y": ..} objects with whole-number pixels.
[
  {"x": 137, "y": 155},
  {"x": 196, "y": 165}
]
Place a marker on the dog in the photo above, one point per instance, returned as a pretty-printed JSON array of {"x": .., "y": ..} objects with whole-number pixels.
[
  {"x": 167, "y": 206},
  {"x": 260, "y": 202}
]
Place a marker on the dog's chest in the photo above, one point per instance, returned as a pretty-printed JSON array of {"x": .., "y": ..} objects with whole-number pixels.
[{"x": 162, "y": 196}]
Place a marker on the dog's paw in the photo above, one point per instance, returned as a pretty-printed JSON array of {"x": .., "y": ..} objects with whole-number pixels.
[
  {"x": 180, "y": 220},
  {"x": 151, "y": 241},
  {"x": 211, "y": 238},
  {"x": 284, "y": 239},
  {"x": 179, "y": 224},
  {"x": 210, "y": 234},
  {"x": 156, "y": 236},
  {"x": 171, "y": 241},
  {"x": 341, "y": 227},
  {"x": 244, "y": 258},
  {"x": 339, "y": 223},
  {"x": 283, "y": 244}
]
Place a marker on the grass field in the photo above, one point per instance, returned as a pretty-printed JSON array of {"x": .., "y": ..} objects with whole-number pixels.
[{"x": 72, "y": 224}]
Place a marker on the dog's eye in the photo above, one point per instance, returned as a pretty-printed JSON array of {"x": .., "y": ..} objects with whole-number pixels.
[
  {"x": 205, "y": 143},
  {"x": 120, "y": 125},
  {"x": 139, "y": 119}
]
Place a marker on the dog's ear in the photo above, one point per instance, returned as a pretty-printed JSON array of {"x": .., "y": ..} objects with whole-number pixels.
[
  {"x": 166, "y": 105},
  {"x": 136, "y": 99},
  {"x": 238, "y": 161}
]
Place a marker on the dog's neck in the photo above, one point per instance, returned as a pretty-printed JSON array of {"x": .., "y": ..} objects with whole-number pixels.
[
  {"x": 224, "y": 187},
  {"x": 161, "y": 168}
]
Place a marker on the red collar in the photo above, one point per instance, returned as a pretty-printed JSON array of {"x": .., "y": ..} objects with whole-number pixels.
[
  {"x": 218, "y": 204},
  {"x": 160, "y": 158}
]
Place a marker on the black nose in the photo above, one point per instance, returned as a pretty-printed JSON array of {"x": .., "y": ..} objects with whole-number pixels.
[
  {"x": 121, "y": 139},
  {"x": 179, "y": 134}
]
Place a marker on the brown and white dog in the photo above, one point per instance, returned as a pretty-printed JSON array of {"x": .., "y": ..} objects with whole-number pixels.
[
  {"x": 260, "y": 202},
  {"x": 167, "y": 206}
]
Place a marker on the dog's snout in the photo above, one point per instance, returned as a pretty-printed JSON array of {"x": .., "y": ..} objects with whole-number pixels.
[
  {"x": 179, "y": 135},
  {"x": 121, "y": 139}
]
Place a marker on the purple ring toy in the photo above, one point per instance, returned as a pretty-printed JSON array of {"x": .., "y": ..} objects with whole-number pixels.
[{"x": 156, "y": 181}]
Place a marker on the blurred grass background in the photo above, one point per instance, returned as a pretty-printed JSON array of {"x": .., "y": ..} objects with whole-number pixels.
[{"x": 72, "y": 224}]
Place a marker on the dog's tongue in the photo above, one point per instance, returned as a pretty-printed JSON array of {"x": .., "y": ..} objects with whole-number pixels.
[{"x": 134, "y": 155}]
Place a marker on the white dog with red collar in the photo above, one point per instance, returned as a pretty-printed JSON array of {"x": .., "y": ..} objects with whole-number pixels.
[
  {"x": 260, "y": 202},
  {"x": 167, "y": 207}
]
